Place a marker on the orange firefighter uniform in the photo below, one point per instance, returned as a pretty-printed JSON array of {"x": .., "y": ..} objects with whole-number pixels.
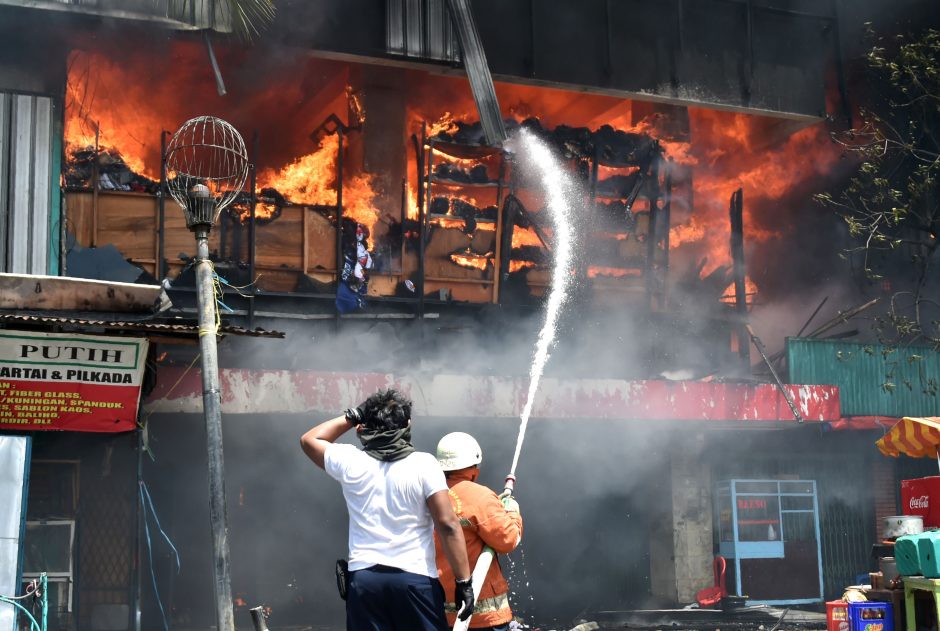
[{"x": 485, "y": 521}]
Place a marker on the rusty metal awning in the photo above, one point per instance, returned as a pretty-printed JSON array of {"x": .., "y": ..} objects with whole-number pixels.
[
  {"x": 149, "y": 328},
  {"x": 54, "y": 293}
]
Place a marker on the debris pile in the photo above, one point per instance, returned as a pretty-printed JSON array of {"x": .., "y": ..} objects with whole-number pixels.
[{"x": 113, "y": 173}]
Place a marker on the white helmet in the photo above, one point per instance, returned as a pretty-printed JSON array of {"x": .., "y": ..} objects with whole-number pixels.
[{"x": 458, "y": 450}]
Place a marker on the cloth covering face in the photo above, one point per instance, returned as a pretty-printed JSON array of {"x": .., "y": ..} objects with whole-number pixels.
[
  {"x": 389, "y": 520},
  {"x": 386, "y": 444},
  {"x": 485, "y": 523}
]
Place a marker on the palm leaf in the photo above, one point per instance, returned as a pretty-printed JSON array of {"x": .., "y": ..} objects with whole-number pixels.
[{"x": 249, "y": 17}]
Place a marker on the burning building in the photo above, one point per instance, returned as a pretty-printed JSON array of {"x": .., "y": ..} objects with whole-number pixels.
[{"x": 393, "y": 243}]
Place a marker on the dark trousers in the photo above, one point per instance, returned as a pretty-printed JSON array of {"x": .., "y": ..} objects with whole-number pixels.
[{"x": 388, "y": 599}]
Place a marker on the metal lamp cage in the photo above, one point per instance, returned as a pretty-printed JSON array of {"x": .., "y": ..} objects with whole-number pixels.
[{"x": 206, "y": 168}]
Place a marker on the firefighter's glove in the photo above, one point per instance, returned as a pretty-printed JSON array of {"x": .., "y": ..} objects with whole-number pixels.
[
  {"x": 463, "y": 598},
  {"x": 510, "y": 504}
]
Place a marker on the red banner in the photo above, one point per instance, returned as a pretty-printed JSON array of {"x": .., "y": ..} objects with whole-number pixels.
[{"x": 86, "y": 383}]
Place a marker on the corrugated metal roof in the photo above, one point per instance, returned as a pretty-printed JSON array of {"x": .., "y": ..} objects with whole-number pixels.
[
  {"x": 26, "y": 182},
  {"x": 873, "y": 379},
  {"x": 162, "y": 328}
]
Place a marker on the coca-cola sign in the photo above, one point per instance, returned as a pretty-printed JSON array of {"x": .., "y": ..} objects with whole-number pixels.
[{"x": 922, "y": 502}]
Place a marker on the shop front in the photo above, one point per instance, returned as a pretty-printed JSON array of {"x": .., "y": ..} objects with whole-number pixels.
[{"x": 769, "y": 532}]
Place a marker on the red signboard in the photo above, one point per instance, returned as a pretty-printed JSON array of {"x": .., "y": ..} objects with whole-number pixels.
[{"x": 87, "y": 383}]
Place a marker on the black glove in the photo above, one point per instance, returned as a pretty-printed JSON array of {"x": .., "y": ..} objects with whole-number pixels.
[
  {"x": 463, "y": 598},
  {"x": 353, "y": 415}
]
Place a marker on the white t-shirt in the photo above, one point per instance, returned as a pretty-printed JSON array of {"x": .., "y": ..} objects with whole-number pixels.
[{"x": 389, "y": 520}]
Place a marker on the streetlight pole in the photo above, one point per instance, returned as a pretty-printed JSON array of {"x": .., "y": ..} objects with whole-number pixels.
[
  {"x": 201, "y": 211},
  {"x": 208, "y": 163},
  {"x": 212, "y": 408}
]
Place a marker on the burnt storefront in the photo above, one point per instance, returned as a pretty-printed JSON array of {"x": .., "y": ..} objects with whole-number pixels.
[{"x": 394, "y": 244}]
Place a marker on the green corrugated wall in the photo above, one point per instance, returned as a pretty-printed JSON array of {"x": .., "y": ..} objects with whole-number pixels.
[{"x": 873, "y": 379}]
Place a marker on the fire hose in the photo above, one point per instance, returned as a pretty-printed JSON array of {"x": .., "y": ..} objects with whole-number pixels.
[{"x": 483, "y": 562}]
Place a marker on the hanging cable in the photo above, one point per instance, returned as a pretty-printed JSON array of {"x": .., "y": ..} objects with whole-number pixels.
[{"x": 147, "y": 504}]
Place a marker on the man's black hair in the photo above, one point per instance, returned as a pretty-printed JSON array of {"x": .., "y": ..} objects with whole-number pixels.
[{"x": 387, "y": 409}]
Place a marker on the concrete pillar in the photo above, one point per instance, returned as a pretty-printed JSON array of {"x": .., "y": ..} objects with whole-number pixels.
[
  {"x": 681, "y": 556},
  {"x": 384, "y": 137}
]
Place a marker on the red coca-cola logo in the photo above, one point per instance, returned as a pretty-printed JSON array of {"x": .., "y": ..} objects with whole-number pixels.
[{"x": 922, "y": 502}]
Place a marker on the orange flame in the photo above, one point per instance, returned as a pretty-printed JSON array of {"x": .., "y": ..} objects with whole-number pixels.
[
  {"x": 472, "y": 259},
  {"x": 525, "y": 236},
  {"x": 446, "y": 123},
  {"x": 311, "y": 179},
  {"x": 686, "y": 233},
  {"x": 750, "y": 292},
  {"x": 515, "y": 266}
]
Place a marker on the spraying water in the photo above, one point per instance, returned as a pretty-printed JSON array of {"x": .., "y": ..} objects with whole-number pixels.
[{"x": 560, "y": 193}]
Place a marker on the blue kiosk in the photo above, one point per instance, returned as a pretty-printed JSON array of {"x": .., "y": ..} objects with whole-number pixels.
[{"x": 770, "y": 530}]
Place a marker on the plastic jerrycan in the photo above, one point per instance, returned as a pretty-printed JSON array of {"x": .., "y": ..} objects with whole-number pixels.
[
  {"x": 907, "y": 555},
  {"x": 928, "y": 551}
]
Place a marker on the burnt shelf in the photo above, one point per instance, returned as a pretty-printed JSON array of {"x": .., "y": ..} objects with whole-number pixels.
[
  {"x": 459, "y": 184},
  {"x": 459, "y": 218},
  {"x": 463, "y": 151}
]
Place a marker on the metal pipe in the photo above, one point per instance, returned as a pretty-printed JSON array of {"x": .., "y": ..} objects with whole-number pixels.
[
  {"x": 94, "y": 189},
  {"x": 340, "y": 259},
  {"x": 652, "y": 232},
  {"x": 212, "y": 409},
  {"x": 783, "y": 390},
  {"x": 478, "y": 72},
  {"x": 424, "y": 214},
  {"x": 667, "y": 223},
  {"x": 219, "y": 82},
  {"x": 252, "y": 203},
  {"x": 160, "y": 267},
  {"x": 138, "y": 540}
]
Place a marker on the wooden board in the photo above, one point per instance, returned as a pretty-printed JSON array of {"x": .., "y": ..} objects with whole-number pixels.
[
  {"x": 280, "y": 243},
  {"x": 320, "y": 242},
  {"x": 445, "y": 241},
  {"x": 130, "y": 223}
]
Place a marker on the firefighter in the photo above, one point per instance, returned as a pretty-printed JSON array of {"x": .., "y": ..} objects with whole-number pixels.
[{"x": 487, "y": 520}]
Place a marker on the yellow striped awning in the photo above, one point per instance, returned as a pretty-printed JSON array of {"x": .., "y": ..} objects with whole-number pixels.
[{"x": 914, "y": 437}]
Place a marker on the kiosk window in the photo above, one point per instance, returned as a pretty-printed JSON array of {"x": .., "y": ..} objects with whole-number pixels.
[{"x": 758, "y": 517}]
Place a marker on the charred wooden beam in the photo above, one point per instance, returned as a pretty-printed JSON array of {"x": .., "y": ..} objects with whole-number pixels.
[
  {"x": 739, "y": 271},
  {"x": 510, "y": 211}
]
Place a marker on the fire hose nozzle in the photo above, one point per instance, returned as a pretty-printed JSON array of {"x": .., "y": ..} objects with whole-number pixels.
[
  {"x": 510, "y": 483},
  {"x": 258, "y": 618}
]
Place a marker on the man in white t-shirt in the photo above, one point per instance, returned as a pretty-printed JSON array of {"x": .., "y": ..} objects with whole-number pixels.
[{"x": 396, "y": 498}]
